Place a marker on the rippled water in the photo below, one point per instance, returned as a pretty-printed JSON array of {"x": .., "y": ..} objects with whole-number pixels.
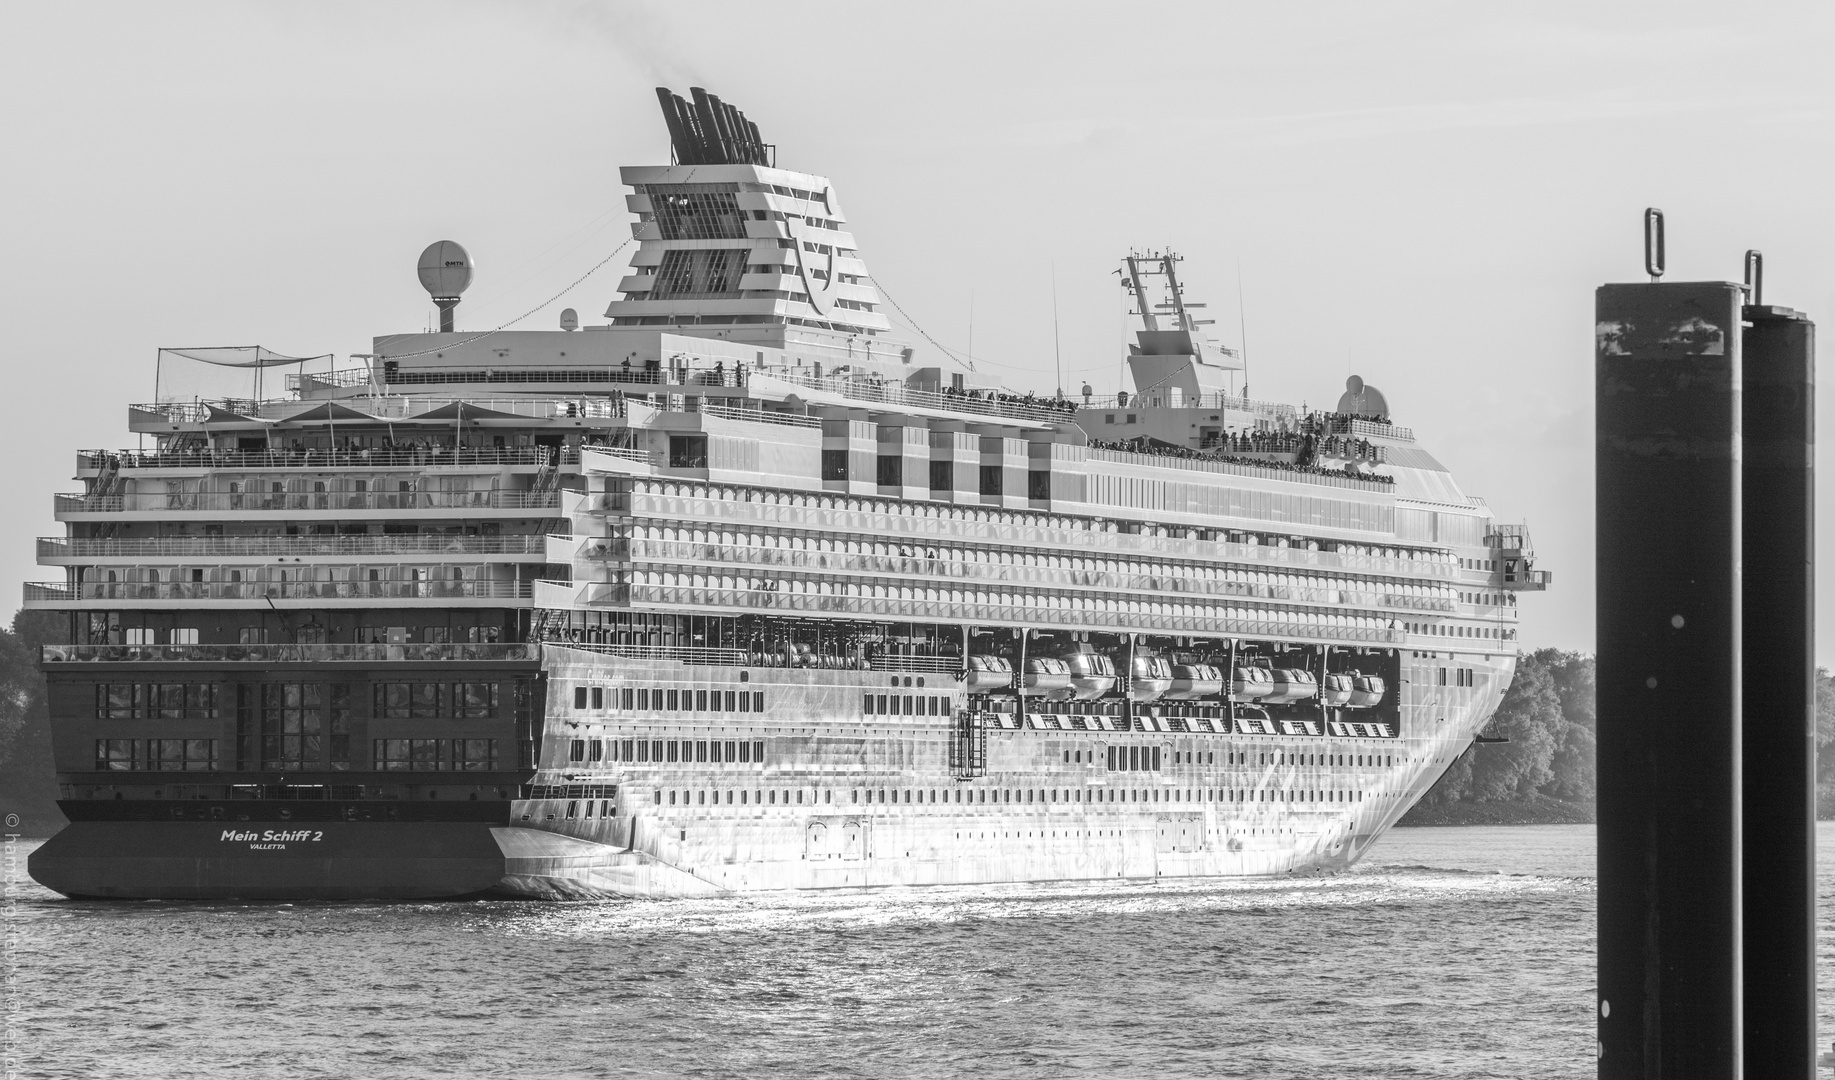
[{"x": 1449, "y": 953}]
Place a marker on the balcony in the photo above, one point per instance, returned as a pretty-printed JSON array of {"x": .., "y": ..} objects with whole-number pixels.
[
  {"x": 515, "y": 548},
  {"x": 52, "y": 594},
  {"x": 290, "y": 654},
  {"x": 380, "y": 458},
  {"x": 244, "y": 502}
]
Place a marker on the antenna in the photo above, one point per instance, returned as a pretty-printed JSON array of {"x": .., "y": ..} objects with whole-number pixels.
[
  {"x": 445, "y": 272},
  {"x": 1242, "y": 319},
  {"x": 1755, "y": 277},
  {"x": 1057, "y": 350}
]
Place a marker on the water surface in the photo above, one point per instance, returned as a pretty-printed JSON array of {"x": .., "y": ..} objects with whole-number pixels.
[{"x": 1448, "y": 953}]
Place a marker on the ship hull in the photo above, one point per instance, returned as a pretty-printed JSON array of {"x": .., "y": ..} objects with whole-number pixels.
[
  {"x": 840, "y": 798},
  {"x": 217, "y": 860}
]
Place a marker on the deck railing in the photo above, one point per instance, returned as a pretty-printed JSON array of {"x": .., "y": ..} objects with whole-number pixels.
[
  {"x": 291, "y": 654},
  {"x": 1238, "y": 468},
  {"x": 385, "y": 407},
  {"x": 217, "y": 501},
  {"x": 443, "y": 589},
  {"x": 379, "y": 458},
  {"x": 980, "y": 402},
  {"x": 176, "y": 547}
]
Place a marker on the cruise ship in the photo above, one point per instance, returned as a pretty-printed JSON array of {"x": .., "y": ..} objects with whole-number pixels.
[{"x": 737, "y": 590}]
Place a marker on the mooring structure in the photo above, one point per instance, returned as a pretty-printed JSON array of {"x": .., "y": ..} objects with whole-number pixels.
[{"x": 1706, "y": 750}]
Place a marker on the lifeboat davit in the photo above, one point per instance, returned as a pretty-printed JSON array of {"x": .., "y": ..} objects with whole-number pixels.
[
  {"x": 1293, "y": 684},
  {"x": 1366, "y": 690},
  {"x": 1251, "y": 684},
  {"x": 1091, "y": 675},
  {"x": 1150, "y": 679},
  {"x": 1336, "y": 691},
  {"x": 1193, "y": 681},
  {"x": 1048, "y": 678},
  {"x": 989, "y": 673}
]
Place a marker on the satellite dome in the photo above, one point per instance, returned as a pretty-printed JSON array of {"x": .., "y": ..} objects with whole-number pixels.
[
  {"x": 570, "y": 319},
  {"x": 445, "y": 269}
]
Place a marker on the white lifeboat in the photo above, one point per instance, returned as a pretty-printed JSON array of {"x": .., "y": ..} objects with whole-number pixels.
[
  {"x": 1047, "y": 677},
  {"x": 1335, "y": 693},
  {"x": 1091, "y": 675},
  {"x": 1293, "y": 684},
  {"x": 1150, "y": 679},
  {"x": 1366, "y": 690},
  {"x": 989, "y": 673},
  {"x": 1193, "y": 681},
  {"x": 1251, "y": 684}
]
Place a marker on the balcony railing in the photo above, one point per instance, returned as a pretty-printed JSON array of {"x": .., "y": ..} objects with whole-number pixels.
[
  {"x": 383, "y": 407},
  {"x": 221, "y": 501},
  {"x": 981, "y": 402},
  {"x": 191, "y": 547},
  {"x": 1199, "y": 464},
  {"x": 445, "y": 589},
  {"x": 1272, "y": 410},
  {"x": 290, "y": 654},
  {"x": 380, "y": 458}
]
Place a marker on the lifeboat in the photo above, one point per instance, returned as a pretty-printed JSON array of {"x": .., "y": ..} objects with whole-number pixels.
[
  {"x": 989, "y": 673},
  {"x": 1091, "y": 675},
  {"x": 1293, "y": 684},
  {"x": 1336, "y": 692},
  {"x": 1150, "y": 679},
  {"x": 1193, "y": 681},
  {"x": 1251, "y": 684},
  {"x": 1366, "y": 690},
  {"x": 1048, "y": 678}
]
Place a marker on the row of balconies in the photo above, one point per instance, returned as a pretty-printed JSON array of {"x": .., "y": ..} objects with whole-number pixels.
[
  {"x": 715, "y": 507},
  {"x": 471, "y": 652},
  {"x": 1026, "y": 570},
  {"x": 1036, "y": 610},
  {"x": 65, "y": 550},
  {"x": 58, "y": 595},
  {"x": 237, "y": 503},
  {"x": 445, "y": 457}
]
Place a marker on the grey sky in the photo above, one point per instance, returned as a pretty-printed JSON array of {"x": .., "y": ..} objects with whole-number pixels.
[{"x": 1422, "y": 194}]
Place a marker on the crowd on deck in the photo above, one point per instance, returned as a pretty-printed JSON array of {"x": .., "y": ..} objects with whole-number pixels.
[
  {"x": 1027, "y": 400},
  {"x": 1228, "y": 452}
]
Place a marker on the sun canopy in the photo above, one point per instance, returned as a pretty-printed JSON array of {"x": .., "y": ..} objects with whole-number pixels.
[
  {"x": 330, "y": 411},
  {"x": 464, "y": 410},
  {"x": 239, "y": 356}
]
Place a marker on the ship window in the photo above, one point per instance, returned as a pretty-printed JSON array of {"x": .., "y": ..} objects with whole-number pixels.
[
  {"x": 700, "y": 701},
  {"x": 116, "y": 754},
  {"x": 398, "y": 755},
  {"x": 577, "y": 750},
  {"x": 407, "y": 701},
  {"x": 182, "y": 755},
  {"x": 656, "y": 750},
  {"x": 480, "y": 755},
  {"x": 745, "y": 701},
  {"x": 672, "y": 750},
  {"x": 700, "y": 750},
  {"x": 595, "y": 751},
  {"x": 643, "y": 749},
  {"x": 729, "y": 701},
  {"x": 732, "y": 751},
  {"x": 598, "y": 697},
  {"x": 867, "y": 707},
  {"x": 478, "y": 701},
  {"x": 628, "y": 751},
  {"x": 674, "y": 700},
  {"x": 758, "y": 701}
]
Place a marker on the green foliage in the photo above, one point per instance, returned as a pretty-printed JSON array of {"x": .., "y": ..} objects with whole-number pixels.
[
  {"x": 1549, "y": 716},
  {"x": 27, "y": 784}
]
